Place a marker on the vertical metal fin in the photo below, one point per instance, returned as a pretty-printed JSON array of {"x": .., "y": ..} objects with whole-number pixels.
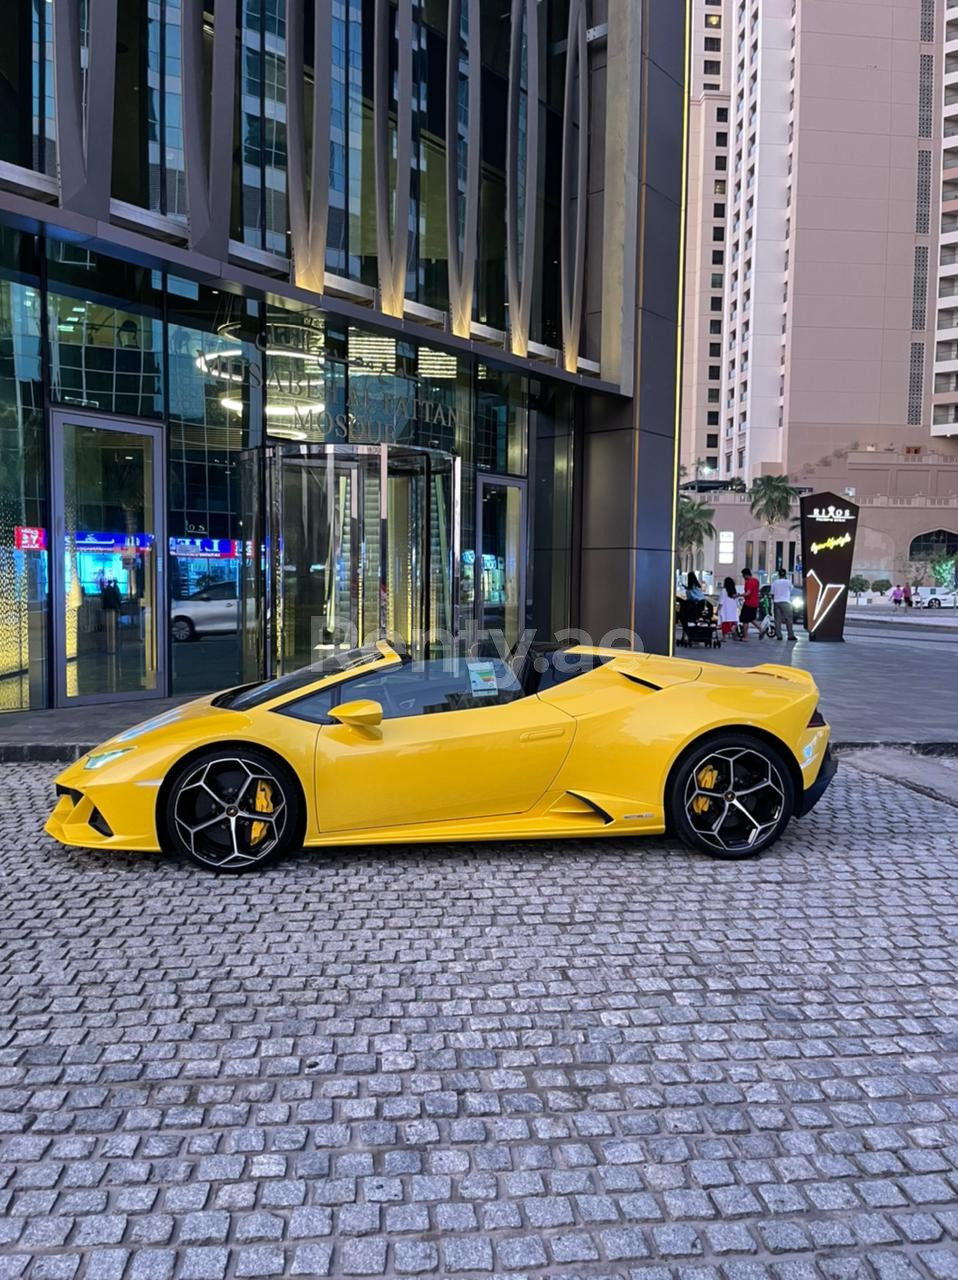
[
  {"x": 462, "y": 261},
  {"x": 308, "y": 212},
  {"x": 520, "y": 274},
  {"x": 85, "y": 129},
  {"x": 392, "y": 232},
  {"x": 209, "y": 150},
  {"x": 574, "y": 184}
]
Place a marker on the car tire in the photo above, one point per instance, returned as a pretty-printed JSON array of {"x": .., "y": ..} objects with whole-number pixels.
[
  {"x": 182, "y": 629},
  {"x": 731, "y": 796},
  {"x": 232, "y": 810},
  {"x": 934, "y": 603}
]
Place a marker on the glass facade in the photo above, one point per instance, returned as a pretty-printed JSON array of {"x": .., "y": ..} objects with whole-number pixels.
[
  {"x": 223, "y": 486},
  {"x": 263, "y": 396}
]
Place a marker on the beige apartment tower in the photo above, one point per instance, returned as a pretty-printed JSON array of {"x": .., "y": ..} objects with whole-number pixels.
[{"x": 839, "y": 289}]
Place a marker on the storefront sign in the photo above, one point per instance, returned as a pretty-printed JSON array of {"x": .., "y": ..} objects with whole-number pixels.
[
  {"x": 829, "y": 524},
  {"x": 85, "y": 541},
  {"x": 210, "y": 548},
  {"x": 28, "y": 537}
]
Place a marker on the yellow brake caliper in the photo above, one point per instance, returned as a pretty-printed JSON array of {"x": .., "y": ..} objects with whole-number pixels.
[
  {"x": 263, "y": 803},
  {"x": 705, "y": 780}
]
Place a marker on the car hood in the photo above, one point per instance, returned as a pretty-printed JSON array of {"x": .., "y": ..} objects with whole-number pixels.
[{"x": 170, "y": 724}]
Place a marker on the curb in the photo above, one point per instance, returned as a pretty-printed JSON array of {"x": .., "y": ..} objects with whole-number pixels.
[
  {"x": 43, "y": 752},
  {"x": 67, "y": 752},
  {"x": 917, "y": 748}
]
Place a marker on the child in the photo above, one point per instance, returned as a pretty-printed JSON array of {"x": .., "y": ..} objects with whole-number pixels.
[{"x": 728, "y": 607}]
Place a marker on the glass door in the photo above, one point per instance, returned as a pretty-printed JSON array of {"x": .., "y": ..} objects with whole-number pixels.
[
  {"x": 500, "y": 573},
  {"x": 107, "y": 560},
  {"x": 363, "y": 544},
  {"x": 317, "y": 519}
]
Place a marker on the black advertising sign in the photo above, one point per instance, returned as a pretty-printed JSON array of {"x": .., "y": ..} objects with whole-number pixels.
[{"x": 829, "y": 524}]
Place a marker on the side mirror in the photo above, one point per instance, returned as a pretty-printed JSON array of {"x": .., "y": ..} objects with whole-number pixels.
[{"x": 361, "y": 714}]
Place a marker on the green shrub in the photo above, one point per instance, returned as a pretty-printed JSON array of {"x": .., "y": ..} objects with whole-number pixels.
[{"x": 882, "y": 585}]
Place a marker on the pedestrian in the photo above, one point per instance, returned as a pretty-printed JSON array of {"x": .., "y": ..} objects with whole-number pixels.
[
  {"x": 906, "y": 595},
  {"x": 693, "y": 588},
  {"x": 728, "y": 606},
  {"x": 782, "y": 604},
  {"x": 749, "y": 614},
  {"x": 896, "y": 598}
]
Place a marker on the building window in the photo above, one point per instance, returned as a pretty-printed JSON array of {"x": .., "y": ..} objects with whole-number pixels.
[
  {"x": 721, "y": 139},
  {"x": 715, "y": 373},
  {"x": 715, "y": 304},
  {"x": 916, "y": 371},
  {"x": 919, "y": 296},
  {"x": 926, "y": 95},
  {"x": 715, "y": 350},
  {"x": 718, "y": 257},
  {"x": 713, "y": 20},
  {"x": 719, "y": 187},
  {"x": 713, "y": 45},
  {"x": 927, "y": 29},
  {"x": 711, "y": 440},
  {"x": 923, "y": 194},
  {"x": 721, "y": 163},
  {"x": 718, "y": 210},
  {"x": 712, "y": 462},
  {"x": 721, "y": 115},
  {"x": 715, "y": 326},
  {"x": 712, "y": 418},
  {"x": 712, "y": 68}
]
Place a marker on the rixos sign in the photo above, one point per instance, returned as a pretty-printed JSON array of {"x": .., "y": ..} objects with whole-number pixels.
[{"x": 829, "y": 524}]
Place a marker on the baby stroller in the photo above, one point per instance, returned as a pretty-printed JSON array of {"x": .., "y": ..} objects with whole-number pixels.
[
  {"x": 766, "y": 612},
  {"x": 699, "y": 625}
]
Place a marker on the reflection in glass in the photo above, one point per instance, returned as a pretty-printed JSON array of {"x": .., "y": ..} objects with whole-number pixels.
[
  {"x": 215, "y": 506},
  {"x": 27, "y": 114},
  {"x": 24, "y": 533},
  {"x": 260, "y": 214},
  {"x": 500, "y": 575},
  {"x": 110, "y": 553},
  {"x": 148, "y": 154}
]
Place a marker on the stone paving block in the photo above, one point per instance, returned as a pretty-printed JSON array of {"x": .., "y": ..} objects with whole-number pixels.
[{"x": 477, "y": 1060}]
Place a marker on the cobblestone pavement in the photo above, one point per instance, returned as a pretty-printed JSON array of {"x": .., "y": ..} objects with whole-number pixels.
[{"x": 590, "y": 1060}]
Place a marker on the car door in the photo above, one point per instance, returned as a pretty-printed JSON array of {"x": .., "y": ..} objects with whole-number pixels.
[
  {"x": 221, "y": 608},
  {"x": 457, "y": 741}
]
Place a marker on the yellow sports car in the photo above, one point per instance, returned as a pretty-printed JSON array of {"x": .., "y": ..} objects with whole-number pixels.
[{"x": 369, "y": 746}]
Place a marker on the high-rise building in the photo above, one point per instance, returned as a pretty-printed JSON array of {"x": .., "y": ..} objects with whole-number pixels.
[
  {"x": 326, "y": 318},
  {"x": 709, "y": 178},
  {"x": 834, "y": 368}
]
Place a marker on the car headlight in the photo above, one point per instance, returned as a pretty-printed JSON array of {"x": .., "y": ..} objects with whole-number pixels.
[
  {"x": 797, "y": 601},
  {"x": 100, "y": 758}
]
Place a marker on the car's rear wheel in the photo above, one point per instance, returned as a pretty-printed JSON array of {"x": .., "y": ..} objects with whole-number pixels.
[
  {"x": 182, "y": 629},
  {"x": 232, "y": 810},
  {"x": 731, "y": 797}
]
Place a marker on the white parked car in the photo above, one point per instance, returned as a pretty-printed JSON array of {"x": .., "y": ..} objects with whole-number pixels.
[
  {"x": 936, "y": 597},
  {"x": 214, "y": 609}
]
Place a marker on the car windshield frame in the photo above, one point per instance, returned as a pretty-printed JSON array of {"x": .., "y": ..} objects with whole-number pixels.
[{"x": 249, "y": 697}]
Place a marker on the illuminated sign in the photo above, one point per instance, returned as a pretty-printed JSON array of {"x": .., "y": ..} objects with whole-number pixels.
[
  {"x": 115, "y": 542},
  {"x": 827, "y": 554},
  {"x": 28, "y": 537},
  {"x": 210, "y": 548}
]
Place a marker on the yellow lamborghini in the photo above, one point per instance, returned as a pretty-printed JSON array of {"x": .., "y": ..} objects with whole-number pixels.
[{"x": 369, "y": 746}]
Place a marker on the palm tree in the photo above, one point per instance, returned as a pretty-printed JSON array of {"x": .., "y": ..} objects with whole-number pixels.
[
  {"x": 694, "y": 525},
  {"x": 771, "y": 499}
]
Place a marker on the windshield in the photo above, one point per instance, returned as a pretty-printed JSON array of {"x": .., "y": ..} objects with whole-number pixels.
[{"x": 253, "y": 696}]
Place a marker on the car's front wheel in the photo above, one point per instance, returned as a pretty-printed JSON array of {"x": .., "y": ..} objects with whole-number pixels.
[
  {"x": 232, "y": 810},
  {"x": 182, "y": 629},
  {"x": 731, "y": 797},
  {"x": 934, "y": 603}
]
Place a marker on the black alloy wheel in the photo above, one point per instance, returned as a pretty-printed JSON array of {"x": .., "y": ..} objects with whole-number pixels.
[
  {"x": 232, "y": 810},
  {"x": 732, "y": 797}
]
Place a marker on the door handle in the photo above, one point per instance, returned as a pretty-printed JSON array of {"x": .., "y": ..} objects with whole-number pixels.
[{"x": 537, "y": 735}]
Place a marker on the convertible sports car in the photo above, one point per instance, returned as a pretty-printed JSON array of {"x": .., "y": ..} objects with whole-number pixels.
[{"x": 369, "y": 746}]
